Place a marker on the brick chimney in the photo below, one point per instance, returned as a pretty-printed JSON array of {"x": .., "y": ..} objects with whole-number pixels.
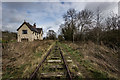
[{"x": 34, "y": 25}]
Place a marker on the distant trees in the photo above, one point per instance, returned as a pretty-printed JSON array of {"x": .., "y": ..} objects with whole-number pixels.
[
  {"x": 76, "y": 24},
  {"x": 112, "y": 30},
  {"x": 69, "y": 26},
  {"x": 112, "y": 23},
  {"x": 51, "y": 35},
  {"x": 87, "y": 25},
  {"x": 84, "y": 22},
  {"x": 67, "y": 32},
  {"x": 60, "y": 38},
  {"x": 98, "y": 26},
  {"x": 9, "y": 36}
]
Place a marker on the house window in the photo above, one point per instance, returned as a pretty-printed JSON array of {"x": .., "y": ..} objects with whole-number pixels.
[{"x": 24, "y": 31}]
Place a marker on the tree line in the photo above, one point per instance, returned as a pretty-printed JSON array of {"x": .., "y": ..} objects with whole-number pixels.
[{"x": 87, "y": 25}]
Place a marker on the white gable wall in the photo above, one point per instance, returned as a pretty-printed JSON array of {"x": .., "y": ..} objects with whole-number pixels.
[{"x": 30, "y": 34}]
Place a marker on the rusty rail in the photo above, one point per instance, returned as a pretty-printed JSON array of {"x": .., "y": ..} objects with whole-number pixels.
[
  {"x": 34, "y": 74},
  {"x": 66, "y": 66}
]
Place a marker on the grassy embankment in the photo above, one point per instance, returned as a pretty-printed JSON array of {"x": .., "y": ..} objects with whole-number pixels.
[
  {"x": 20, "y": 59},
  {"x": 93, "y": 61}
]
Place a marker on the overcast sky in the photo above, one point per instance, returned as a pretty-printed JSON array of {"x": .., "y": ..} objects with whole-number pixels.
[{"x": 47, "y": 15}]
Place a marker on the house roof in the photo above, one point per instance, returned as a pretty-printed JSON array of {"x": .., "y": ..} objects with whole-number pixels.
[
  {"x": 39, "y": 29},
  {"x": 32, "y": 28}
]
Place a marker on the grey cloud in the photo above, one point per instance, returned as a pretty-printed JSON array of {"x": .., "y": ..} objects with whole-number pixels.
[
  {"x": 15, "y": 12},
  {"x": 11, "y": 27},
  {"x": 103, "y": 6}
]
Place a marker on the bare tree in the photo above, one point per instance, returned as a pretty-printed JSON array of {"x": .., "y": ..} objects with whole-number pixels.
[
  {"x": 84, "y": 20},
  {"x": 70, "y": 19},
  {"x": 112, "y": 22},
  {"x": 51, "y": 35},
  {"x": 108, "y": 23},
  {"x": 118, "y": 24},
  {"x": 98, "y": 25}
]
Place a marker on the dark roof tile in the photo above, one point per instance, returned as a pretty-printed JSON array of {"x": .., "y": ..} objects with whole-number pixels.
[{"x": 32, "y": 28}]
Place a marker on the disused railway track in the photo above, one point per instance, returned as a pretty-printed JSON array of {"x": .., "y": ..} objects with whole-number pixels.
[{"x": 58, "y": 64}]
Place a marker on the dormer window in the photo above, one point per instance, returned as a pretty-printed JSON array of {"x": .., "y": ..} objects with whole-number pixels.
[{"x": 24, "y": 31}]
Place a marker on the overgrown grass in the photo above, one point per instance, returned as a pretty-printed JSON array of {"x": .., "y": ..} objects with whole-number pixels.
[
  {"x": 78, "y": 56},
  {"x": 22, "y": 65},
  {"x": 74, "y": 53},
  {"x": 39, "y": 54},
  {"x": 14, "y": 72},
  {"x": 98, "y": 74},
  {"x": 77, "y": 78},
  {"x": 17, "y": 72}
]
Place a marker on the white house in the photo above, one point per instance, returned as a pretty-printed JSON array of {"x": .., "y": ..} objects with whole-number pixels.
[{"x": 29, "y": 32}]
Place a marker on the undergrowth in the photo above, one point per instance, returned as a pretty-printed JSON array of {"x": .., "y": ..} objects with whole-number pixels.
[{"x": 87, "y": 64}]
